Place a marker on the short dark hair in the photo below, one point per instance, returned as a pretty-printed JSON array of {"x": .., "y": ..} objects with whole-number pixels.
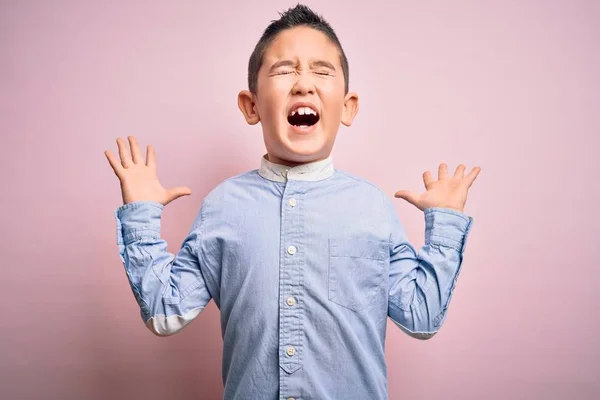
[{"x": 300, "y": 15}]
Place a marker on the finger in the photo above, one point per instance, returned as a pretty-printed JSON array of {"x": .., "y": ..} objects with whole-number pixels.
[
  {"x": 114, "y": 163},
  {"x": 177, "y": 192},
  {"x": 124, "y": 154},
  {"x": 150, "y": 157},
  {"x": 427, "y": 179},
  {"x": 411, "y": 197},
  {"x": 136, "y": 153},
  {"x": 443, "y": 171},
  {"x": 460, "y": 171},
  {"x": 472, "y": 176}
]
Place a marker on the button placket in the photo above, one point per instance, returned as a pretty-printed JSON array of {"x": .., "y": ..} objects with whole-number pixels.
[{"x": 291, "y": 282}]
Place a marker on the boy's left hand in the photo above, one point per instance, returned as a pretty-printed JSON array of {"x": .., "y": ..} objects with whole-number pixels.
[{"x": 446, "y": 192}]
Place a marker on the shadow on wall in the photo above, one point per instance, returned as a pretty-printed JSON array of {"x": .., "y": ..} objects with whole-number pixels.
[{"x": 130, "y": 362}]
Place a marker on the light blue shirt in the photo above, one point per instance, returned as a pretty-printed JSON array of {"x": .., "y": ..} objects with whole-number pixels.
[{"x": 305, "y": 264}]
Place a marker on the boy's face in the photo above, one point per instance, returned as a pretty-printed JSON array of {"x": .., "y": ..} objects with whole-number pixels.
[{"x": 300, "y": 100}]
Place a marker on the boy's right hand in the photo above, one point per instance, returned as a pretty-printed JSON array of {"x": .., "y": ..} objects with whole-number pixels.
[{"x": 138, "y": 179}]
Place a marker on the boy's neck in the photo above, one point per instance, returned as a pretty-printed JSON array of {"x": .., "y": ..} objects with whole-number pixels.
[{"x": 275, "y": 160}]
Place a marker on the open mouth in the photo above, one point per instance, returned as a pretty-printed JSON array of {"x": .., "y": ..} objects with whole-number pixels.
[{"x": 303, "y": 117}]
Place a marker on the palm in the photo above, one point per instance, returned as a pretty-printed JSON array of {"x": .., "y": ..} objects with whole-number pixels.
[
  {"x": 145, "y": 184},
  {"x": 446, "y": 192}
]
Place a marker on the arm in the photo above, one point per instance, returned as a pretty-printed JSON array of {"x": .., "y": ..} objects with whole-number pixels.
[
  {"x": 421, "y": 283},
  {"x": 169, "y": 288}
]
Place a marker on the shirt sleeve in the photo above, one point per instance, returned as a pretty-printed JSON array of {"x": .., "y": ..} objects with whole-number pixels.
[
  {"x": 421, "y": 282},
  {"x": 169, "y": 288}
]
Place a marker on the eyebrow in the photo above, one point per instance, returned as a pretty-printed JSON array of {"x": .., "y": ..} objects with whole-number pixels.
[
  {"x": 282, "y": 63},
  {"x": 313, "y": 64},
  {"x": 322, "y": 63}
]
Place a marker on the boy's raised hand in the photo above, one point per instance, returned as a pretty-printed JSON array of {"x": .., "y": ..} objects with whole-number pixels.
[
  {"x": 446, "y": 192},
  {"x": 138, "y": 178}
]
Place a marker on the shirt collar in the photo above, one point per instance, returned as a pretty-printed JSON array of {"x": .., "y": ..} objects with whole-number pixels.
[{"x": 313, "y": 171}]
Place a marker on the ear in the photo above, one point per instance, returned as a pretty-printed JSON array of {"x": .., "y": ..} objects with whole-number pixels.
[
  {"x": 350, "y": 108},
  {"x": 248, "y": 107}
]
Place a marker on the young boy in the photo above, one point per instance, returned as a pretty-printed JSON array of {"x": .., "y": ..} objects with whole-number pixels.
[{"x": 305, "y": 262}]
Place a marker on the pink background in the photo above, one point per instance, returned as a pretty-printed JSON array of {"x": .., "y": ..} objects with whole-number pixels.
[{"x": 511, "y": 86}]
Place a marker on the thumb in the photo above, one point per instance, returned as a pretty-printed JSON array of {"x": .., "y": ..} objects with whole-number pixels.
[
  {"x": 411, "y": 197},
  {"x": 176, "y": 192}
]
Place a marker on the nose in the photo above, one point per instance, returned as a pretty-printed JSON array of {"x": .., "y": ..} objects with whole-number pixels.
[{"x": 304, "y": 84}]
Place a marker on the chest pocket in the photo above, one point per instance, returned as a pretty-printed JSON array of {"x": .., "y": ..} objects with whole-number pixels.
[{"x": 357, "y": 269}]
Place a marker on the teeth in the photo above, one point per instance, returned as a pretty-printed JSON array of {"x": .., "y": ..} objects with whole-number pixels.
[{"x": 303, "y": 111}]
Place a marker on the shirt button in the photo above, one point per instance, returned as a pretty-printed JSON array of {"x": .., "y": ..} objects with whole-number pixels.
[
  {"x": 292, "y": 250},
  {"x": 292, "y": 202},
  {"x": 291, "y": 301},
  {"x": 291, "y": 351}
]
